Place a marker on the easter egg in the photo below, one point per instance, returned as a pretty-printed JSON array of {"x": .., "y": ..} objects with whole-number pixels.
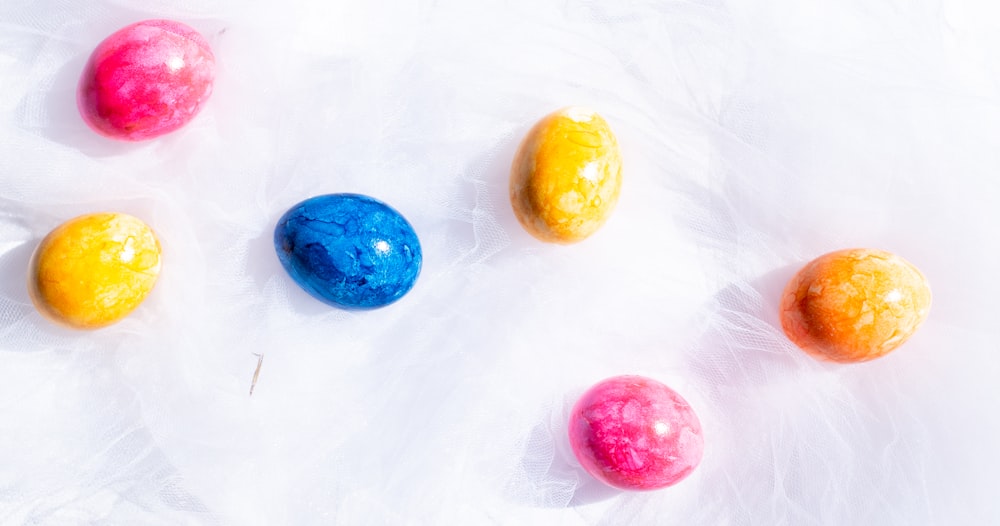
[
  {"x": 94, "y": 270},
  {"x": 635, "y": 433},
  {"x": 566, "y": 176},
  {"x": 854, "y": 305},
  {"x": 349, "y": 250},
  {"x": 145, "y": 80}
]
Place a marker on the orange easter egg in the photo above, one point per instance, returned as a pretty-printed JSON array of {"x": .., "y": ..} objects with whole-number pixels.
[
  {"x": 566, "y": 176},
  {"x": 854, "y": 305}
]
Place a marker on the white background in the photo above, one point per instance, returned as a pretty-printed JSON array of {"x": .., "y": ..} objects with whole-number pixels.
[{"x": 756, "y": 135}]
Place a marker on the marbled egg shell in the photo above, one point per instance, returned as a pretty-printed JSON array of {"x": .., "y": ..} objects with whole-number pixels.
[
  {"x": 349, "y": 250},
  {"x": 94, "y": 270},
  {"x": 635, "y": 433},
  {"x": 854, "y": 305},
  {"x": 145, "y": 80},
  {"x": 566, "y": 176}
]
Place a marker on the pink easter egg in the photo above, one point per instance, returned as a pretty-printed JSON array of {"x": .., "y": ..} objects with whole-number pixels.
[
  {"x": 145, "y": 80},
  {"x": 635, "y": 433}
]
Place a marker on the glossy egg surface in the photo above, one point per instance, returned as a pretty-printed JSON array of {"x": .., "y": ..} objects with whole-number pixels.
[
  {"x": 635, "y": 433},
  {"x": 94, "y": 270},
  {"x": 145, "y": 80},
  {"x": 854, "y": 305},
  {"x": 566, "y": 176},
  {"x": 349, "y": 250}
]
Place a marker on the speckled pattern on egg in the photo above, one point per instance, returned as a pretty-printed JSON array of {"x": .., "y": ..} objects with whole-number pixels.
[
  {"x": 349, "y": 250},
  {"x": 145, "y": 80},
  {"x": 94, "y": 270},
  {"x": 854, "y": 305},
  {"x": 566, "y": 176}
]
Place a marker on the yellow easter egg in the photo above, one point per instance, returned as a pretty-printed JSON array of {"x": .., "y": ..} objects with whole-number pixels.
[
  {"x": 94, "y": 270},
  {"x": 566, "y": 176}
]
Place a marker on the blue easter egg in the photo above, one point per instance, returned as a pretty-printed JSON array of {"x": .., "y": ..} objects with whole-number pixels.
[{"x": 349, "y": 250}]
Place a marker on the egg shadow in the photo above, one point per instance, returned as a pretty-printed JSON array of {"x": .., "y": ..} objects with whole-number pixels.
[
  {"x": 484, "y": 226},
  {"x": 262, "y": 263},
  {"x": 770, "y": 286},
  {"x": 66, "y": 126},
  {"x": 262, "y": 266},
  {"x": 554, "y": 477},
  {"x": 740, "y": 356},
  {"x": 18, "y": 242},
  {"x": 14, "y": 268},
  {"x": 495, "y": 165},
  {"x": 743, "y": 343},
  {"x": 14, "y": 272},
  {"x": 591, "y": 491}
]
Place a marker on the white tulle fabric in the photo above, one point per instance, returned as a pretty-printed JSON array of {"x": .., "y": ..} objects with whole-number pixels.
[{"x": 757, "y": 134}]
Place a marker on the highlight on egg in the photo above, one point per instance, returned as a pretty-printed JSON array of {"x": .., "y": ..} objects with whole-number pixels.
[
  {"x": 635, "y": 433},
  {"x": 854, "y": 305},
  {"x": 566, "y": 176},
  {"x": 146, "y": 79},
  {"x": 94, "y": 270}
]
